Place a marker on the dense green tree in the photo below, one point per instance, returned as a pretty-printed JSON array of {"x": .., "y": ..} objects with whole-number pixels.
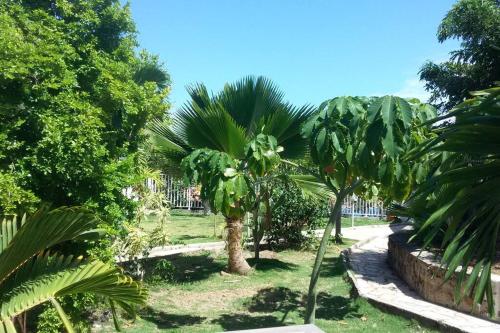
[
  {"x": 359, "y": 143},
  {"x": 476, "y": 65},
  {"x": 74, "y": 99}
]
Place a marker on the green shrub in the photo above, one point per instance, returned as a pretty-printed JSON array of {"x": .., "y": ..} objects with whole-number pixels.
[
  {"x": 292, "y": 213},
  {"x": 162, "y": 271}
]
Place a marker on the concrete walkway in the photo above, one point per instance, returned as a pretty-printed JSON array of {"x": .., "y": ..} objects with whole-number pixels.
[{"x": 375, "y": 281}]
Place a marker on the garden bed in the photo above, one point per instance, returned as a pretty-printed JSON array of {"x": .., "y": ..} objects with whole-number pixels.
[{"x": 424, "y": 275}]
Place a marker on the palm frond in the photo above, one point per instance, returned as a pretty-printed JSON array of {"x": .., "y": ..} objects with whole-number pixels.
[
  {"x": 48, "y": 229},
  {"x": 48, "y": 276}
]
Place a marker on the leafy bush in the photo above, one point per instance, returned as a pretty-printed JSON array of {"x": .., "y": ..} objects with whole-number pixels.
[
  {"x": 292, "y": 213},
  {"x": 162, "y": 271},
  {"x": 74, "y": 99}
]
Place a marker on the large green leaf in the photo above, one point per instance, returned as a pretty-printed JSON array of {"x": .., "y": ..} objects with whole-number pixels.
[
  {"x": 8, "y": 229},
  {"x": 461, "y": 199},
  {"x": 47, "y": 277},
  {"x": 48, "y": 229},
  {"x": 228, "y": 120}
]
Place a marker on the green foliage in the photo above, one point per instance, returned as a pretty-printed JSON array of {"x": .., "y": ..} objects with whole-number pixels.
[
  {"x": 292, "y": 213},
  {"x": 476, "y": 65},
  {"x": 30, "y": 274},
  {"x": 358, "y": 143},
  {"x": 13, "y": 198},
  {"x": 229, "y": 120},
  {"x": 262, "y": 155},
  {"x": 74, "y": 99},
  {"x": 459, "y": 204},
  {"x": 163, "y": 271},
  {"x": 224, "y": 182},
  {"x": 49, "y": 321},
  {"x": 365, "y": 138}
]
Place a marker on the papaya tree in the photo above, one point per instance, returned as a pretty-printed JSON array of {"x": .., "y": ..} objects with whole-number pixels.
[{"x": 358, "y": 143}]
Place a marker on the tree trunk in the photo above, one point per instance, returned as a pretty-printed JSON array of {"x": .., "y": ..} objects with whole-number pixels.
[
  {"x": 236, "y": 262},
  {"x": 313, "y": 292},
  {"x": 338, "y": 228},
  {"x": 256, "y": 233}
]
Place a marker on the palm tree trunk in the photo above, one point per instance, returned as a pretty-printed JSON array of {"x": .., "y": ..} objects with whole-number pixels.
[
  {"x": 236, "y": 262},
  {"x": 313, "y": 292}
]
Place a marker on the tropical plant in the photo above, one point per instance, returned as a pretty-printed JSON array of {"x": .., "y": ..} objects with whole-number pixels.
[
  {"x": 358, "y": 143},
  {"x": 32, "y": 274},
  {"x": 458, "y": 207},
  {"x": 294, "y": 215},
  {"x": 245, "y": 121},
  {"x": 476, "y": 65}
]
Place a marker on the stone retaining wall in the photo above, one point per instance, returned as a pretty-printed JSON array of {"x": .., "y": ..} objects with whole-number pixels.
[{"x": 423, "y": 274}]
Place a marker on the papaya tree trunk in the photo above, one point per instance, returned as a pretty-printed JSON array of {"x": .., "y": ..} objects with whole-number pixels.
[
  {"x": 256, "y": 233},
  {"x": 338, "y": 228},
  {"x": 236, "y": 262},
  {"x": 313, "y": 291}
]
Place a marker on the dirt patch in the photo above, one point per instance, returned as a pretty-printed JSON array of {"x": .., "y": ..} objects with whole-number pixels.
[
  {"x": 204, "y": 301},
  {"x": 268, "y": 254}
]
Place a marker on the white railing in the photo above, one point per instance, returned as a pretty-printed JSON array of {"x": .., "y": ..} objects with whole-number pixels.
[
  {"x": 181, "y": 196},
  {"x": 355, "y": 206},
  {"x": 178, "y": 194}
]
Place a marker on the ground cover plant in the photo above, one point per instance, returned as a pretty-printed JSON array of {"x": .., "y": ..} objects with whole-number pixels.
[{"x": 200, "y": 299}]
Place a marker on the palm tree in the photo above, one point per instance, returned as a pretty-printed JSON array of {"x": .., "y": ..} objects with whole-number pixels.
[
  {"x": 458, "y": 208},
  {"x": 31, "y": 274},
  {"x": 228, "y": 121}
]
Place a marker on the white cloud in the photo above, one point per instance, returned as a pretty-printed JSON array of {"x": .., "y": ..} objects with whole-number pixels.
[{"x": 413, "y": 88}]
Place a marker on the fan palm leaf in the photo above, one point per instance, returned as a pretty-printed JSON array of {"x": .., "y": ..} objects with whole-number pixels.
[{"x": 227, "y": 121}]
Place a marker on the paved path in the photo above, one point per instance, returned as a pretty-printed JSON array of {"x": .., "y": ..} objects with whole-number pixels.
[{"x": 374, "y": 280}]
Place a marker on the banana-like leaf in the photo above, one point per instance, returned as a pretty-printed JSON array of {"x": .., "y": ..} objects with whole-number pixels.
[
  {"x": 8, "y": 229},
  {"x": 41, "y": 231},
  {"x": 312, "y": 187},
  {"x": 47, "y": 277}
]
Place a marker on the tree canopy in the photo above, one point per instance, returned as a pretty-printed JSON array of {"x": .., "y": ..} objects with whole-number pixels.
[
  {"x": 476, "y": 65},
  {"x": 74, "y": 99}
]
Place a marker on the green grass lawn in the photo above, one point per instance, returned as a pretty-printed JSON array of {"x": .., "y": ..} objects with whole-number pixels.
[
  {"x": 203, "y": 300},
  {"x": 188, "y": 227}
]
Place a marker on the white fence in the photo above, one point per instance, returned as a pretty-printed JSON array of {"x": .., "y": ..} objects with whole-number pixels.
[{"x": 181, "y": 196}]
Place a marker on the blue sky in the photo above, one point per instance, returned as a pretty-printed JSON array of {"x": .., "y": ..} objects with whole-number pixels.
[{"x": 313, "y": 50}]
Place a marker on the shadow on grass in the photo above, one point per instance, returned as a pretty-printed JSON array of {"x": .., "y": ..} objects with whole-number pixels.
[
  {"x": 189, "y": 237},
  {"x": 285, "y": 300},
  {"x": 331, "y": 307},
  {"x": 239, "y": 321},
  {"x": 164, "y": 320},
  {"x": 332, "y": 266},
  {"x": 265, "y": 264},
  {"x": 276, "y": 299},
  {"x": 192, "y": 268}
]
